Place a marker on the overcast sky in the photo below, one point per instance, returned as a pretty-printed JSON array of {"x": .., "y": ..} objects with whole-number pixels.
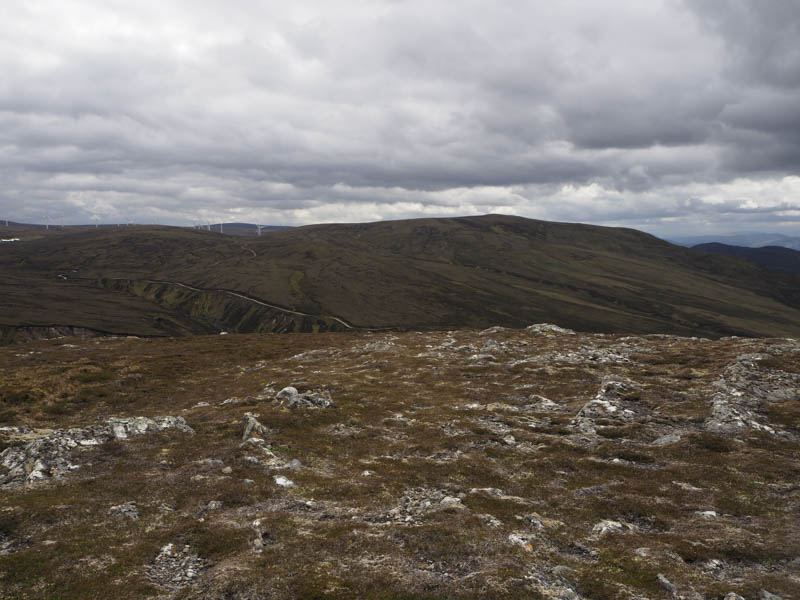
[{"x": 673, "y": 117}]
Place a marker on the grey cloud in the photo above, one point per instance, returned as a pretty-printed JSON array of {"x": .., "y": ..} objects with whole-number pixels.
[{"x": 287, "y": 111}]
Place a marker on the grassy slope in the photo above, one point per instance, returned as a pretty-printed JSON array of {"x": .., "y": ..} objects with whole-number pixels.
[{"x": 428, "y": 273}]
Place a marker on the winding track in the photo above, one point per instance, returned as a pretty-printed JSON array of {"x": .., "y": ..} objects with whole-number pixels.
[{"x": 242, "y": 296}]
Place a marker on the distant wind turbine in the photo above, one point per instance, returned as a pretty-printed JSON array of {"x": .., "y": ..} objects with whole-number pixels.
[{"x": 95, "y": 218}]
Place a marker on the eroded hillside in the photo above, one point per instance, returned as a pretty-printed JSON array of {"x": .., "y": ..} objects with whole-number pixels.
[{"x": 534, "y": 463}]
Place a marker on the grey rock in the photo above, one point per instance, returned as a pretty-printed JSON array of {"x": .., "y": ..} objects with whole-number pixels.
[
  {"x": 742, "y": 391},
  {"x": 765, "y": 595},
  {"x": 562, "y": 571},
  {"x": 667, "y": 584},
  {"x": 668, "y": 439},
  {"x": 450, "y": 502},
  {"x": 608, "y": 403},
  {"x": 128, "y": 510},
  {"x": 286, "y": 393},
  {"x": 51, "y": 455},
  {"x": 251, "y": 427},
  {"x": 291, "y": 398},
  {"x": 548, "y": 329},
  {"x": 733, "y": 596}
]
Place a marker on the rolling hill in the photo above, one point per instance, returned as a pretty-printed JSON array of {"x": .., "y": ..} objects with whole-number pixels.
[
  {"x": 774, "y": 258},
  {"x": 413, "y": 274}
]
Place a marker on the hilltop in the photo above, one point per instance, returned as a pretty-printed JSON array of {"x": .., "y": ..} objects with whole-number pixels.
[
  {"x": 414, "y": 274},
  {"x": 501, "y": 464}
]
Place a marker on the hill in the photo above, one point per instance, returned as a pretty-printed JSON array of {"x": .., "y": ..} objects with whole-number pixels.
[
  {"x": 775, "y": 258},
  {"x": 746, "y": 240},
  {"x": 420, "y": 274},
  {"x": 498, "y": 464}
]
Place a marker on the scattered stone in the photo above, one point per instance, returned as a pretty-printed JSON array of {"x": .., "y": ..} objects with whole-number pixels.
[
  {"x": 377, "y": 346},
  {"x": 606, "y": 526},
  {"x": 706, "y": 514},
  {"x": 765, "y": 595},
  {"x": 210, "y": 463},
  {"x": 539, "y": 522},
  {"x": 548, "y": 329},
  {"x": 175, "y": 567},
  {"x": 541, "y": 404},
  {"x": 50, "y": 455},
  {"x": 712, "y": 565},
  {"x": 128, "y": 510},
  {"x": 742, "y": 390},
  {"x": 733, "y": 596},
  {"x": 9, "y": 545}
]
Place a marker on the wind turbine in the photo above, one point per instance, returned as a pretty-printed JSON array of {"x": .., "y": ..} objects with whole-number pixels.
[{"x": 95, "y": 218}]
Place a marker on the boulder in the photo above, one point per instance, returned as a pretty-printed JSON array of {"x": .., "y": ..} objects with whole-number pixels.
[{"x": 291, "y": 398}]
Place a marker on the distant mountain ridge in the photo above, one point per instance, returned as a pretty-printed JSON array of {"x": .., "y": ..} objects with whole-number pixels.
[
  {"x": 747, "y": 240},
  {"x": 775, "y": 258}
]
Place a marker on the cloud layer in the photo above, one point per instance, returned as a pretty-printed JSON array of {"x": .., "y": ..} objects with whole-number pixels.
[{"x": 670, "y": 116}]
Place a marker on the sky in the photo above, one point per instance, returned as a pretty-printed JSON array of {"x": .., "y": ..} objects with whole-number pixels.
[{"x": 677, "y": 117}]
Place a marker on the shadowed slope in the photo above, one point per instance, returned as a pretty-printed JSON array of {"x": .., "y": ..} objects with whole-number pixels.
[{"x": 775, "y": 258}]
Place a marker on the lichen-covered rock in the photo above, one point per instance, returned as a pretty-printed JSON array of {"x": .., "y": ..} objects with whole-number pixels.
[
  {"x": 51, "y": 455},
  {"x": 251, "y": 427},
  {"x": 742, "y": 392},
  {"x": 608, "y": 403}
]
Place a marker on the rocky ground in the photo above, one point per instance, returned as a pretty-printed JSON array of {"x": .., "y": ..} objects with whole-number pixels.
[{"x": 535, "y": 463}]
